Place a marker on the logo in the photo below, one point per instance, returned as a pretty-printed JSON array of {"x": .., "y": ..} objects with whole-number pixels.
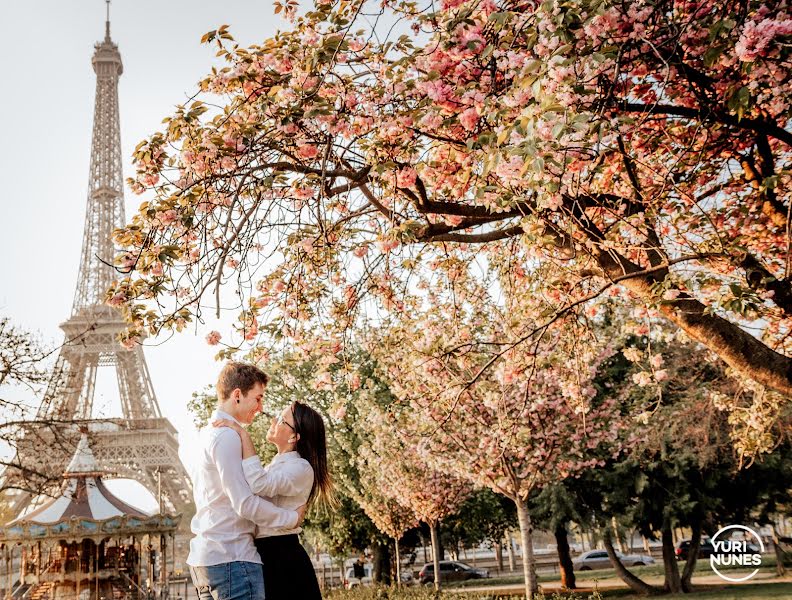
[{"x": 744, "y": 552}]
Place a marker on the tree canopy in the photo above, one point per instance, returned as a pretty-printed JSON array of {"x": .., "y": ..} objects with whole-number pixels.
[{"x": 638, "y": 150}]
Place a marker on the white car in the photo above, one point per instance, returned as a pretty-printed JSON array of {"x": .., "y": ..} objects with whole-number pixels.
[
  {"x": 351, "y": 581},
  {"x": 598, "y": 559}
]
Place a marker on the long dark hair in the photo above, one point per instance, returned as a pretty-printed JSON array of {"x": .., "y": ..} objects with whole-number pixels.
[{"x": 312, "y": 446}]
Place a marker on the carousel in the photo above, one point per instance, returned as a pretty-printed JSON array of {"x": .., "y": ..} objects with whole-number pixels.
[{"x": 86, "y": 544}]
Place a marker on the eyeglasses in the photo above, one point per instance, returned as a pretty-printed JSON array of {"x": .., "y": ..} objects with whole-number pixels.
[{"x": 279, "y": 419}]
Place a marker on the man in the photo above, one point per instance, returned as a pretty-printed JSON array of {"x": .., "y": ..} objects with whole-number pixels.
[{"x": 224, "y": 563}]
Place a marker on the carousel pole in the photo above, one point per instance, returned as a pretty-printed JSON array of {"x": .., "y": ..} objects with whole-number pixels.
[
  {"x": 38, "y": 561},
  {"x": 96, "y": 571},
  {"x": 79, "y": 570},
  {"x": 140, "y": 564},
  {"x": 150, "y": 566},
  {"x": 9, "y": 576},
  {"x": 163, "y": 574}
]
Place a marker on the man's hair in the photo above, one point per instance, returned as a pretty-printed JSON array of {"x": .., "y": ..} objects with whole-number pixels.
[{"x": 239, "y": 375}]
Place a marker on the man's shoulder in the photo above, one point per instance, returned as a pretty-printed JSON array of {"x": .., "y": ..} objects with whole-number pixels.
[{"x": 211, "y": 436}]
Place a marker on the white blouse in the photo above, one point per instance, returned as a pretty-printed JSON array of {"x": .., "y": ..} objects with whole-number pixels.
[{"x": 286, "y": 482}]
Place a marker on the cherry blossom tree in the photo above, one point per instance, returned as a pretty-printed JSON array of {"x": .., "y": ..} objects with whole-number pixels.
[
  {"x": 513, "y": 430},
  {"x": 680, "y": 467},
  {"x": 401, "y": 473},
  {"x": 388, "y": 515},
  {"x": 642, "y": 148}
]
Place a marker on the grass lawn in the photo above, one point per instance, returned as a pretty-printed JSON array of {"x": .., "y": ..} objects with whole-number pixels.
[
  {"x": 601, "y": 584},
  {"x": 647, "y": 572},
  {"x": 748, "y": 591}
]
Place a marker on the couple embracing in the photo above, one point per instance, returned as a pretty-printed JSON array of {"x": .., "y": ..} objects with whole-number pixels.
[{"x": 248, "y": 515}]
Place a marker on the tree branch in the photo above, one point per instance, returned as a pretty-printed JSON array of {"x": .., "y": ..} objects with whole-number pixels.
[
  {"x": 478, "y": 238},
  {"x": 757, "y": 125}
]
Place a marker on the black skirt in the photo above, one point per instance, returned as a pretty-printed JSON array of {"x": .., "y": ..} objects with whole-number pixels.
[{"x": 288, "y": 572}]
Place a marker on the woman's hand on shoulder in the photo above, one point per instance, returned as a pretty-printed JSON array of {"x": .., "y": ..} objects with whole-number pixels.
[{"x": 230, "y": 424}]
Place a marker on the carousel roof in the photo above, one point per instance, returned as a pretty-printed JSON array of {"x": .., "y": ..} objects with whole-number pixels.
[{"x": 83, "y": 494}]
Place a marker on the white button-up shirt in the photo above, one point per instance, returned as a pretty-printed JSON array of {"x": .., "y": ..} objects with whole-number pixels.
[
  {"x": 286, "y": 482},
  {"x": 227, "y": 510}
]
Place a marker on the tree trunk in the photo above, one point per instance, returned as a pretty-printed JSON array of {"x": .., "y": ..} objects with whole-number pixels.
[
  {"x": 779, "y": 553},
  {"x": 672, "y": 582},
  {"x": 423, "y": 546},
  {"x": 743, "y": 352},
  {"x": 435, "y": 551},
  {"x": 381, "y": 558},
  {"x": 594, "y": 537},
  {"x": 618, "y": 536},
  {"x": 499, "y": 555},
  {"x": 510, "y": 550},
  {"x": 526, "y": 540},
  {"x": 564, "y": 557},
  {"x": 441, "y": 551},
  {"x": 693, "y": 550},
  {"x": 634, "y": 583},
  {"x": 398, "y": 563}
]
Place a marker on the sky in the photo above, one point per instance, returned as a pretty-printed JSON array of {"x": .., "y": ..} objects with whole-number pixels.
[{"x": 46, "y": 105}]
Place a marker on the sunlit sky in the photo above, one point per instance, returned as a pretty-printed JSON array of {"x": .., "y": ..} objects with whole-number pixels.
[{"x": 47, "y": 111}]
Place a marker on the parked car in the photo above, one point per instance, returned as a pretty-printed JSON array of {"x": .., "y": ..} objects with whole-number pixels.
[
  {"x": 598, "y": 559},
  {"x": 351, "y": 581},
  {"x": 451, "y": 570},
  {"x": 706, "y": 549}
]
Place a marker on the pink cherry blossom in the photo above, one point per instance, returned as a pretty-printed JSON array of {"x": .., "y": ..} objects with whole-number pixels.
[
  {"x": 307, "y": 151},
  {"x": 469, "y": 119}
]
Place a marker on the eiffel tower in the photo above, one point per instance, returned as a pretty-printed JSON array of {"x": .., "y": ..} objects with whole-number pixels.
[{"x": 141, "y": 445}]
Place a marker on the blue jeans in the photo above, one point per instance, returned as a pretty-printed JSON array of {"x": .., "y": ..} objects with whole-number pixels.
[{"x": 237, "y": 580}]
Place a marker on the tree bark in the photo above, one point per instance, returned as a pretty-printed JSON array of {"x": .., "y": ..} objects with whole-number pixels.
[
  {"x": 526, "y": 540},
  {"x": 381, "y": 559},
  {"x": 435, "y": 552},
  {"x": 499, "y": 555},
  {"x": 510, "y": 550},
  {"x": 441, "y": 551},
  {"x": 564, "y": 558},
  {"x": 398, "y": 563},
  {"x": 636, "y": 584},
  {"x": 693, "y": 550},
  {"x": 672, "y": 582},
  {"x": 618, "y": 536},
  {"x": 739, "y": 349},
  {"x": 779, "y": 553}
]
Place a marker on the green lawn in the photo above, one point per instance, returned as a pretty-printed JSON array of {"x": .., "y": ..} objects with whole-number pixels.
[
  {"x": 702, "y": 568},
  {"x": 749, "y": 591},
  {"x": 603, "y": 581}
]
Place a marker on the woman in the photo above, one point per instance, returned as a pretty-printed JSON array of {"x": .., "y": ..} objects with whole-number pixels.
[{"x": 297, "y": 475}]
